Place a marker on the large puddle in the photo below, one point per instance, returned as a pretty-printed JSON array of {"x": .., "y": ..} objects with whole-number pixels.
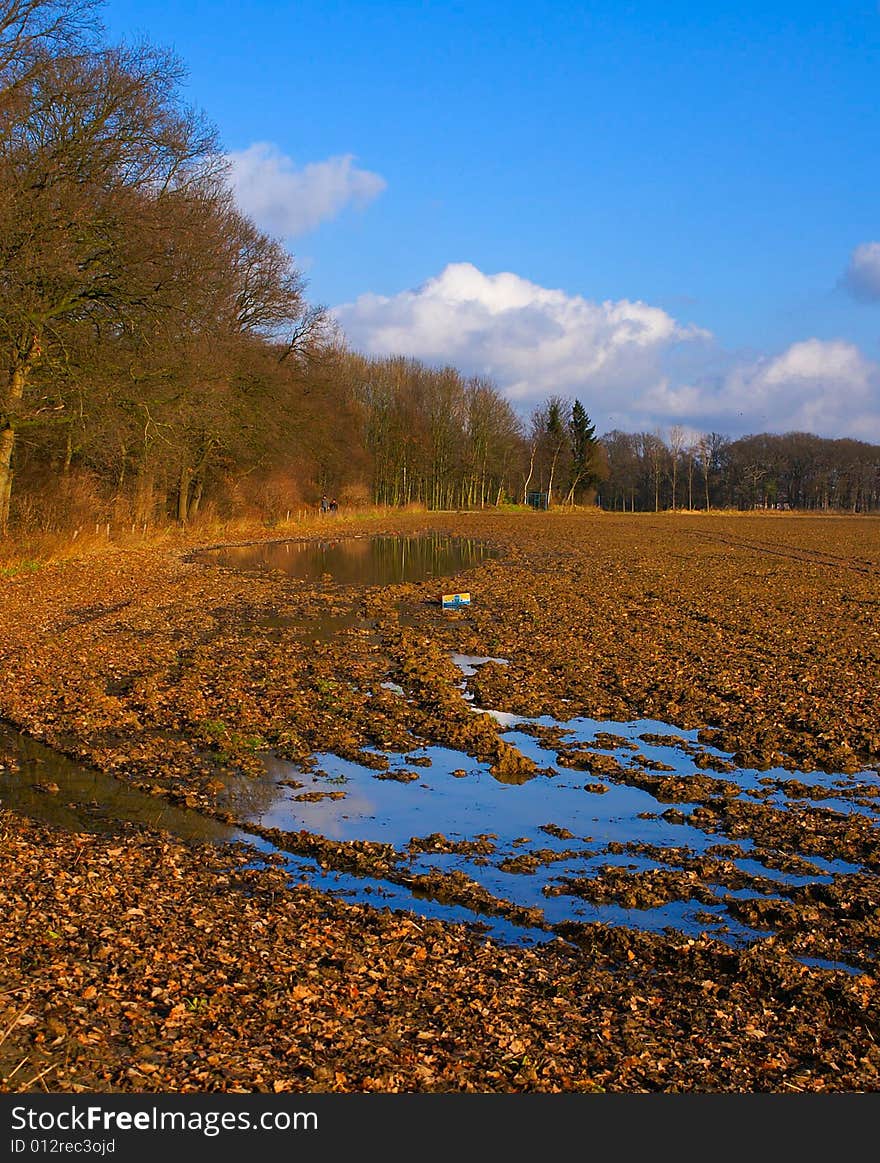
[
  {"x": 365, "y": 561},
  {"x": 532, "y": 854}
]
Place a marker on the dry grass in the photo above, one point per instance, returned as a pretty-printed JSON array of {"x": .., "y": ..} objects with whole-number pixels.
[{"x": 26, "y": 552}]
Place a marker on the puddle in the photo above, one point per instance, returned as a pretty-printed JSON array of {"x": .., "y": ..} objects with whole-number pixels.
[
  {"x": 557, "y": 844},
  {"x": 49, "y": 787},
  {"x": 365, "y": 561},
  {"x": 535, "y": 836},
  {"x": 468, "y": 664}
]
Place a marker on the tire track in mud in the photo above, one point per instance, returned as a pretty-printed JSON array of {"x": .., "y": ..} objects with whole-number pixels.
[{"x": 811, "y": 556}]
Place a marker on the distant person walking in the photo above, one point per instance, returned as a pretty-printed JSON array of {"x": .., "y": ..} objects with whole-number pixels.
[
  {"x": 333, "y": 505},
  {"x": 325, "y": 504}
]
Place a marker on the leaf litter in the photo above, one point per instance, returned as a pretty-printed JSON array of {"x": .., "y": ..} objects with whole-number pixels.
[{"x": 140, "y": 962}]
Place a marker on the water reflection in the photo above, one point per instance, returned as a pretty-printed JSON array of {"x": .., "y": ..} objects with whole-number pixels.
[
  {"x": 541, "y": 845},
  {"x": 370, "y": 561},
  {"x": 47, "y": 786}
]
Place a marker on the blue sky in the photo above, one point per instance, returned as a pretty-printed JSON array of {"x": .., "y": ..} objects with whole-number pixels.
[{"x": 668, "y": 212}]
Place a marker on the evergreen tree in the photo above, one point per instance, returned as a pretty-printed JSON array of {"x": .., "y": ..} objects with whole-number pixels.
[{"x": 582, "y": 438}]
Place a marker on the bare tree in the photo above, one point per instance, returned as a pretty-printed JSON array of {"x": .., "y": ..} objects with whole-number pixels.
[
  {"x": 690, "y": 459},
  {"x": 654, "y": 455},
  {"x": 100, "y": 146},
  {"x": 710, "y": 449},
  {"x": 31, "y": 30},
  {"x": 676, "y": 445}
]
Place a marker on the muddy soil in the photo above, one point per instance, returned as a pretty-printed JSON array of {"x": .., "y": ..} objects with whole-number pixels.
[{"x": 172, "y": 675}]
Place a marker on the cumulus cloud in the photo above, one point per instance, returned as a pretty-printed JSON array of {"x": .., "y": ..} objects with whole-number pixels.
[
  {"x": 288, "y": 201},
  {"x": 823, "y": 386},
  {"x": 532, "y": 340},
  {"x": 862, "y": 276},
  {"x": 622, "y": 359}
]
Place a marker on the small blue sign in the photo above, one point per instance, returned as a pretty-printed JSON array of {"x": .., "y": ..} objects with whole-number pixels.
[{"x": 455, "y": 601}]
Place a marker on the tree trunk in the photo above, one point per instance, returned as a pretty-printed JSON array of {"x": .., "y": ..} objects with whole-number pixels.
[
  {"x": 14, "y": 396},
  {"x": 529, "y": 477},
  {"x": 196, "y": 498},
  {"x": 144, "y": 490},
  {"x": 7, "y": 443},
  {"x": 183, "y": 495},
  {"x": 550, "y": 482}
]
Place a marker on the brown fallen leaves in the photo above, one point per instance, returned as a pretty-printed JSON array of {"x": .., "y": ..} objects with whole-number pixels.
[{"x": 141, "y": 964}]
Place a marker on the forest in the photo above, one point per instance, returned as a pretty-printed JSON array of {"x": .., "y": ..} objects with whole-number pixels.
[{"x": 162, "y": 361}]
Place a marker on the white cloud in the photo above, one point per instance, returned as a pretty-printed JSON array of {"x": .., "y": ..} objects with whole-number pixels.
[
  {"x": 533, "y": 341},
  {"x": 862, "y": 276},
  {"x": 817, "y": 361},
  {"x": 823, "y": 386},
  {"x": 286, "y": 201},
  {"x": 621, "y": 358}
]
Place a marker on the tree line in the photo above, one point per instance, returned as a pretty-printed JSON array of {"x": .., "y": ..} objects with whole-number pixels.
[
  {"x": 160, "y": 359},
  {"x": 793, "y": 470}
]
